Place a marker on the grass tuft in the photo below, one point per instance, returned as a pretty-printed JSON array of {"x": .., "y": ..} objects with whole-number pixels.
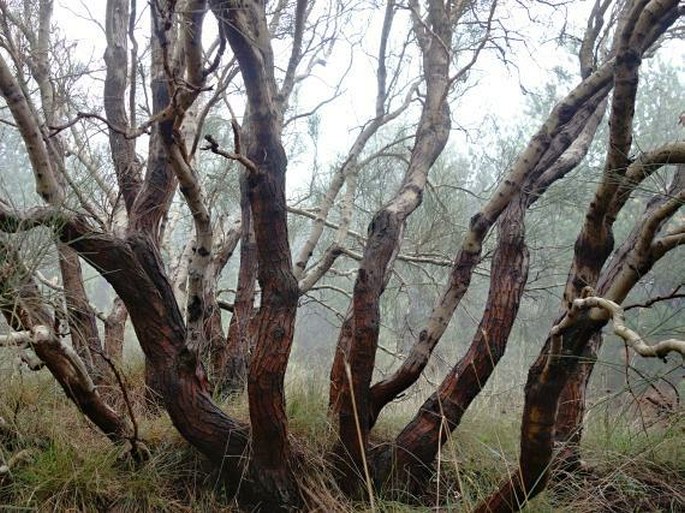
[{"x": 66, "y": 465}]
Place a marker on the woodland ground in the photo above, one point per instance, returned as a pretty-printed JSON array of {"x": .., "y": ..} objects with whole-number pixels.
[{"x": 68, "y": 466}]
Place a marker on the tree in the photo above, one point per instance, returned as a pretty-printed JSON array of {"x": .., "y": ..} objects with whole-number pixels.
[{"x": 123, "y": 230}]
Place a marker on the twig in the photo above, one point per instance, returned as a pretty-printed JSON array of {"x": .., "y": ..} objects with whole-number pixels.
[
  {"x": 213, "y": 146},
  {"x": 138, "y": 449},
  {"x": 656, "y": 299}
]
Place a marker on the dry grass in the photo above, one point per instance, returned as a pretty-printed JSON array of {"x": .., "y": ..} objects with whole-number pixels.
[{"x": 69, "y": 466}]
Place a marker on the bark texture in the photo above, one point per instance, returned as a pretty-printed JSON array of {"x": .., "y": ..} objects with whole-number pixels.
[{"x": 641, "y": 22}]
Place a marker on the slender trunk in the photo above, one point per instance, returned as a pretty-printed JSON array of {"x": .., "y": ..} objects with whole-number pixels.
[
  {"x": 126, "y": 164},
  {"x": 421, "y": 440},
  {"x": 385, "y": 235},
  {"x": 154, "y": 198},
  {"x": 231, "y": 361},
  {"x": 81, "y": 319},
  {"x": 569, "y": 422},
  {"x": 274, "y": 323},
  {"x": 559, "y": 146},
  {"x": 247, "y": 32}
]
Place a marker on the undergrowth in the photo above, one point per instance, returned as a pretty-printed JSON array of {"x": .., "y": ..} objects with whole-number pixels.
[{"x": 67, "y": 465}]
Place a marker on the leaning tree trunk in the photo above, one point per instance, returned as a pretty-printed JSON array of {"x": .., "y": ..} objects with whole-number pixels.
[
  {"x": 80, "y": 316},
  {"x": 568, "y": 430},
  {"x": 421, "y": 440},
  {"x": 629, "y": 263},
  {"x": 641, "y": 24},
  {"x": 546, "y": 379},
  {"x": 154, "y": 198},
  {"x": 134, "y": 269},
  {"x": 557, "y": 148},
  {"x": 359, "y": 350},
  {"x": 23, "y": 307}
]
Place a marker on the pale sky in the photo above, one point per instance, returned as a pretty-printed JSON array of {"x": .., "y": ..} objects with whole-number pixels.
[{"x": 498, "y": 93}]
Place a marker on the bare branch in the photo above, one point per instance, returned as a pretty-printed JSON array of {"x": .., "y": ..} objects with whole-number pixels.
[
  {"x": 657, "y": 299},
  {"x": 213, "y": 146},
  {"x": 631, "y": 338}
]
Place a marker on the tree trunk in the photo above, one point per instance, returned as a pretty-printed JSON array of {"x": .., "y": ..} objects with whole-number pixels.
[
  {"x": 247, "y": 32},
  {"x": 83, "y": 329},
  {"x": 231, "y": 361},
  {"x": 134, "y": 269},
  {"x": 24, "y": 310},
  {"x": 569, "y": 422},
  {"x": 154, "y": 198},
  {"x": 421, "y": 440},
  {"x": 385, "y": 233},
  {"x": 546, "y": 379}
]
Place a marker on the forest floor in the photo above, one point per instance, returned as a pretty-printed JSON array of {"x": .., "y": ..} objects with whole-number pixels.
[{"x": 62, "y": 463}]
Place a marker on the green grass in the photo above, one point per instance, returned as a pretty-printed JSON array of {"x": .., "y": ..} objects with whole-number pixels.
[{"x": 69, "y": 466}]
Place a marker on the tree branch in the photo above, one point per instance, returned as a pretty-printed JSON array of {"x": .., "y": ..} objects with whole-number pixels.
[{"x": 631, "y": 338}]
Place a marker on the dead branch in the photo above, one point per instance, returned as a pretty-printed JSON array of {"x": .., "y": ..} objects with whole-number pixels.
[
  {"x": 674, "y": 294},
  {"x": 631, "y": 338},
  {"x": 213, "y": 146},
  {"x": 128, "y": 133}
]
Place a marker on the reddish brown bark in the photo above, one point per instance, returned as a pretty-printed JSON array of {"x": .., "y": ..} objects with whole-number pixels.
[
  {"x": 133, "y": 267},
  {"x": 232, "y": 359},
  {"x": 631, "y": 261},
  {"x": 338, "y": 376},
  {"x": 151, "y": 204},
  {"x": 568, "y": 430},
  {"x": 154, "y": 197},
  {"x": 564, "y": 149},
  {"x": 81, "y": 319},
  {"x": 273, "y": 325},
  {"x": 23, "y": 308},
  {"x": 560, "y": 356},
  {"x": 421, "y": 439},
  {"x": 247, "y": 32},
  {"x": 384, "y": 237},
  {"x": 546, "y": 379}
]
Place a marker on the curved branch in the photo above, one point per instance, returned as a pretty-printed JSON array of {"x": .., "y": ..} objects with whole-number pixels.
[{"x": 631, "y": 338}]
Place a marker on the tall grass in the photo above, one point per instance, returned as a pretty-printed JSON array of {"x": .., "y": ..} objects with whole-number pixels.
[{"x": 69, "y": 466}]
